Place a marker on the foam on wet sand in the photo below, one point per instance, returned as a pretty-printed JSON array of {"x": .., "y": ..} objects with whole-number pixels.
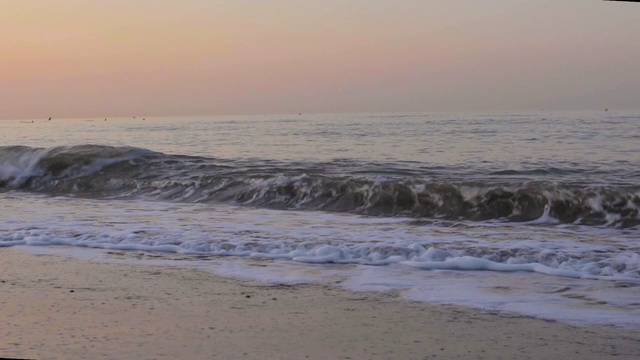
[{"x": 62, "y": 308}]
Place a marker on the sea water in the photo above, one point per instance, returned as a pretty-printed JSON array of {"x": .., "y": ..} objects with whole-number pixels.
[{"x": 531, "y": 213}]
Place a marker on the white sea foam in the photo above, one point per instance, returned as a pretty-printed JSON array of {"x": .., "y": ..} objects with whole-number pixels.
[
  {"x": 377, "y": 253},
  {"x": 316, "y": 238},
  {"x": 574, "y": 301}
]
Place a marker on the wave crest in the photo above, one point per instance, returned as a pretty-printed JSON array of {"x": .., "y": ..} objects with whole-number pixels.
[{"x": 126, "y": 172}]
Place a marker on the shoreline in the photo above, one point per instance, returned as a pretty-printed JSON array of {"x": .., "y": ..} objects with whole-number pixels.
[{"x": 55, "y": 307}]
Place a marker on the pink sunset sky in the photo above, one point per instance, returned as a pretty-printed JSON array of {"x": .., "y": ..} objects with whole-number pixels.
[{"x": 79, "y": 58}]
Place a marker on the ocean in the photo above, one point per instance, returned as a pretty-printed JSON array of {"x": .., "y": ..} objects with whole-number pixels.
[{"x": 527, "y": 213}]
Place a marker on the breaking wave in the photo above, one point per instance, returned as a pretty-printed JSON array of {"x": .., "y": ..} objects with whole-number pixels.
[{"x": 109, "y": 172}]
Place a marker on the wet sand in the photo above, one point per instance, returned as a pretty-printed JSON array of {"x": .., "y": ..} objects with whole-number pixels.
[{"x": 62, "y": 308}]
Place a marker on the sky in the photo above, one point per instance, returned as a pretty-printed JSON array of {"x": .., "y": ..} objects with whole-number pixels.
[{"x": 84, "y": 58}]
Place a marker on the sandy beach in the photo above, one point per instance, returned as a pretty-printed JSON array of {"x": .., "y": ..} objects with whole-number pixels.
[{"x": 62, "y": 308}]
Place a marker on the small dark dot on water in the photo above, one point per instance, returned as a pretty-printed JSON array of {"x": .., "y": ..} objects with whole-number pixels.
[
  {"x": 247, "y": 296},
  {"x": 274, "y": 299},
  {"x": 71, "y": 291}
]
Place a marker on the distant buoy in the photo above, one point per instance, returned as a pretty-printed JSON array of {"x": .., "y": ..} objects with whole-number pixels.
[{"x": 606, "y": 109}]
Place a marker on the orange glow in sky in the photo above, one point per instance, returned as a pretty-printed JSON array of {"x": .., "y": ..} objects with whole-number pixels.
[{"x": 74, "y": 58}]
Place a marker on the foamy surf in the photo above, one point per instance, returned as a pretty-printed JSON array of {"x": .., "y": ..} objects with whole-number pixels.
[
  {"x": 313, "y": 237},
  {"x": 292, "y": 243}
]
